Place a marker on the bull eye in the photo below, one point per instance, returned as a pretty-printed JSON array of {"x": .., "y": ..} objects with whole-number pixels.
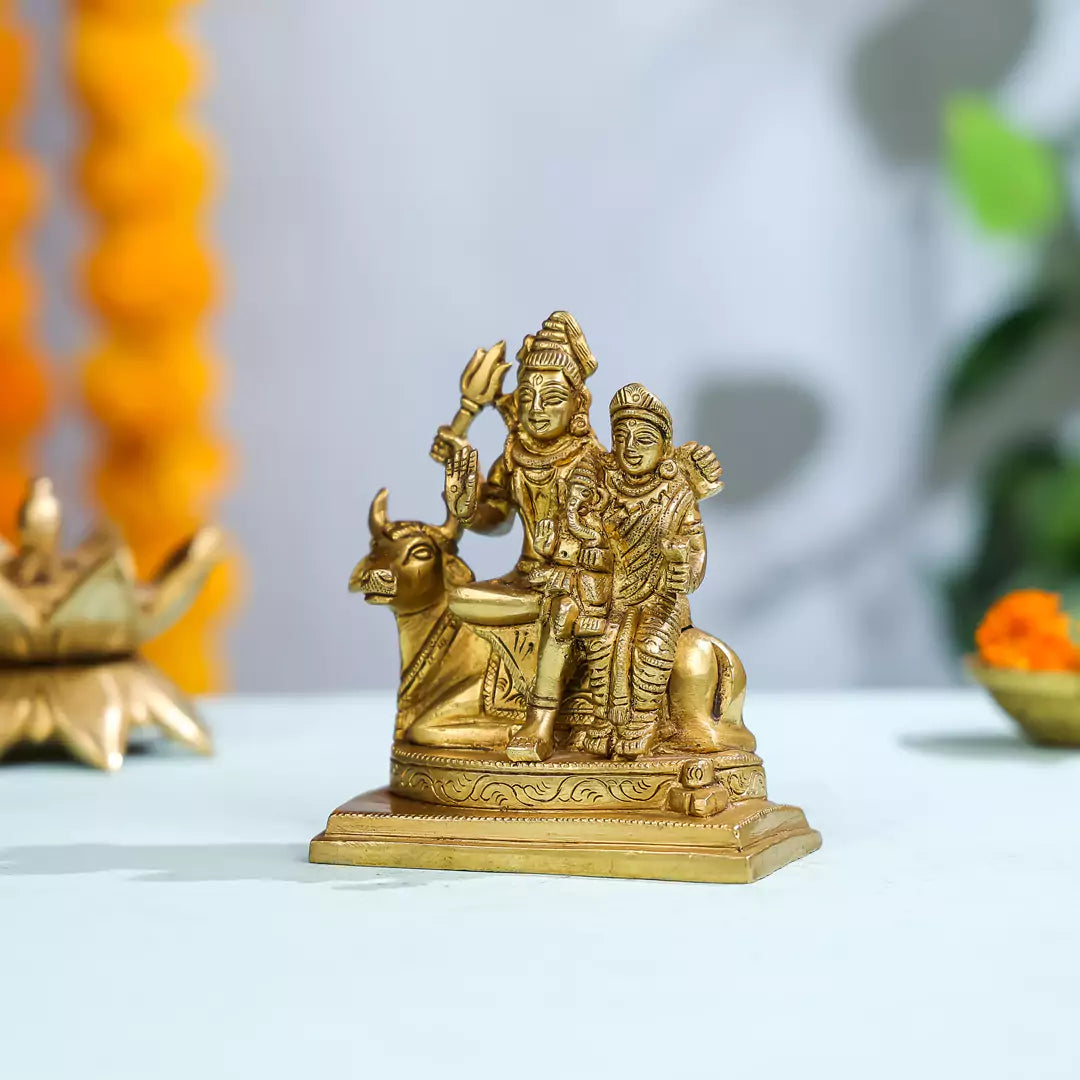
[{"x": 420, "y": 553}]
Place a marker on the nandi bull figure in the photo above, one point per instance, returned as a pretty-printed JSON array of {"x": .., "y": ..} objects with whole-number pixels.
[
  {"x": 566, "y": 717},
  {"x": 458, "y": 691}
]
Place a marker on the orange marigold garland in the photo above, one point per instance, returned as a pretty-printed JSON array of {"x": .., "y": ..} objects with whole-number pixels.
[
  {"x": 146, "y": 174},
  {"x": 23, "y": 383},
  {"x": 1028, "y": 630}
]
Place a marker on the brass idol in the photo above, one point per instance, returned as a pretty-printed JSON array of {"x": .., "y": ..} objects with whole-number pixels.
[{"x": 567, "y": 717}]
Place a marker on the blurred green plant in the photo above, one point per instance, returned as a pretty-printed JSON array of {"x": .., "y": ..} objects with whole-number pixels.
[
  {"x": 1012, "y": 182},
  {"x": 1027, "y": 358}
]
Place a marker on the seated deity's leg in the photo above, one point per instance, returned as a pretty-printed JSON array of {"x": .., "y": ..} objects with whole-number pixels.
[
  {"x": 495, "y": 603},
  {"x": 536, "y": 739},
  {"x": 468, "y": 733},
  {"x": 651, "y": 659},
  {"x": 595, "y": 737}
]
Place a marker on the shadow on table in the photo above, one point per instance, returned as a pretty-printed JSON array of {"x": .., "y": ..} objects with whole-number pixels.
[
  {"x": 984, "y": 746},
  {"x": 210, "y": 862},
  {"x": 31, "y": 754}
]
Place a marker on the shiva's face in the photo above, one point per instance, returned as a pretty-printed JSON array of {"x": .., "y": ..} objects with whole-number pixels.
[
  {"x": 638, "y": 446},
  {"x": 546, "y": 404}
]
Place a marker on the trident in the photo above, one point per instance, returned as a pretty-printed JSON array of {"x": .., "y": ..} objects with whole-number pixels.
[{"x": 481, "y": 384}]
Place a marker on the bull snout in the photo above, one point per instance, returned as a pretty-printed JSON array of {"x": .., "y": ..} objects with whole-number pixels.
[{"x": 378, "y": 585}]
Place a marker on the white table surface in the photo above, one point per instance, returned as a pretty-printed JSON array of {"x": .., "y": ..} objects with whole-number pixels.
[{"x": 164, "y": 923}]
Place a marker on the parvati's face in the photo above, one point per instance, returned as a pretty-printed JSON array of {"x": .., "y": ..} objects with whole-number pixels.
[
  {"x": 638, "y": 446},
  {"x": 546, "y": 403}
]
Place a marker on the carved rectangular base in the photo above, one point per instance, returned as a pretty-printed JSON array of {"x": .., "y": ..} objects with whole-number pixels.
[{"x": 740, "y": 844}]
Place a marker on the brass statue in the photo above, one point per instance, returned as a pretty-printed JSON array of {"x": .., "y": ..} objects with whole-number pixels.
[
  {"x": 70, "y": 627},
  {"x": 566, "y": 717}
]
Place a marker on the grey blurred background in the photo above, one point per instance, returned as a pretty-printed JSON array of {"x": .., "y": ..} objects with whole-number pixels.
[{"x": 741, "y": 202}]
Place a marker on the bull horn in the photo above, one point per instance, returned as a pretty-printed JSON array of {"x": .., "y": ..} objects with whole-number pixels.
[{"x": 377, "y": 513}]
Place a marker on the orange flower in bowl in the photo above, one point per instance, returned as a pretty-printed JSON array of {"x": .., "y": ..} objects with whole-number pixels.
[
  {"x": 1028, "y": 631},
  {"x": 1030, "y": 665}
]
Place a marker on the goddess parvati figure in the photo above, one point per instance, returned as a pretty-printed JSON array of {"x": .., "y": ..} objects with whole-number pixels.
[{"x": 653, "y": 529}]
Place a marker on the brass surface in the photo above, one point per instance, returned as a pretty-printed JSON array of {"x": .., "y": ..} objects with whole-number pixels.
[
  {"x": 70, "y": 627},
  {"x": 565, "y": 781},
  {"x": 576, "y": 684},
  {"x": 1046, "y": 704},
  {"x": 741, "y": 844}
]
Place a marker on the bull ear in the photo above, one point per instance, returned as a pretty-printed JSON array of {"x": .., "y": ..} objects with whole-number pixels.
[
  {"x": 377, "y": 513},
  {"x": 455, "y": 571}
]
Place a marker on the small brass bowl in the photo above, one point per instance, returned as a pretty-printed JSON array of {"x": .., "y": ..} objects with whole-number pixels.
[{"x": 1046, "y": 704}]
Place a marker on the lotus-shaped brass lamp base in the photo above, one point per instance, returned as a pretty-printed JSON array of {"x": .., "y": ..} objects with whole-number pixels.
[
  {"x": 1046, "y": 704},
  {"x": 91, "y": 708},
  {"x": 70, "y": 628}
]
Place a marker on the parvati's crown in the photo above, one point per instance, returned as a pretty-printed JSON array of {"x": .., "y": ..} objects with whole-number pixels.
[{"x": 634, "y": 401}]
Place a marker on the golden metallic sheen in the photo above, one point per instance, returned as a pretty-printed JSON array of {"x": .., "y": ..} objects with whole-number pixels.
[
  {"x": 70, "y": 627},
  {"x": 566, "y": 717}
]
